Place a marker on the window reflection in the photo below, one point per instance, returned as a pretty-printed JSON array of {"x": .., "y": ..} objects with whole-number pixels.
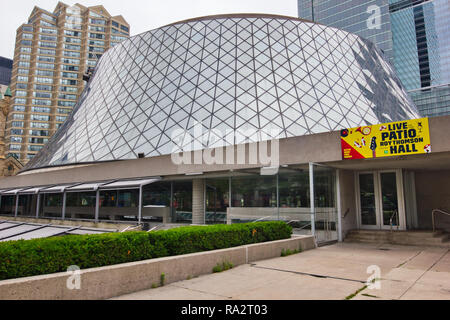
[
  {"x": 217, "y": 200},
  {"x": 27, "y": 205},
  {"x": 182, "y": 201},
  {"x": 51, "y": 205},
  {"x": 324, "y": 187},
  {"x": 294, "y": 189},
  {"x": 254, "y": 191},
  {"x": 121, "y": 205},
  {"x": 8, "y": 205},
  {"x": 80, "y": 205}
]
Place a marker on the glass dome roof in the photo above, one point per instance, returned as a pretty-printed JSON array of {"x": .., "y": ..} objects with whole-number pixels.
[{"x": 228, "y": 73}]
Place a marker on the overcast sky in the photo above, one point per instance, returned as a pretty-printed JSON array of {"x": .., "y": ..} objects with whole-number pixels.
[{"x": 142, "y": 15}]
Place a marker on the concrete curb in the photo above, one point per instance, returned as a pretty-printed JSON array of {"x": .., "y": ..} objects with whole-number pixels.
[{"x": 112, "y": 281}]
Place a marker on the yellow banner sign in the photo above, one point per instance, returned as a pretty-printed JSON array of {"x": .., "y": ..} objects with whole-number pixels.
[{"x": 385, "y": 140}]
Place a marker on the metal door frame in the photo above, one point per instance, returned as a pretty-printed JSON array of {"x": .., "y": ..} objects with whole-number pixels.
[{"x": 379, "y": 201}]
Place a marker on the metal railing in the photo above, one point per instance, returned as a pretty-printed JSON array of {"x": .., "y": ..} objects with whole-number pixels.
[
  {"x": 154, "y": 228},
  {"x": 300, "y": 228},
  {"x": 262, "y": 219},
  {"x": 325, "y": 224},
  {"x": 346, "y": 213},
  {"x": 394, "y": 214},
  {"x": 433, "y": 213},
  {"x": 130, "y": 228}
]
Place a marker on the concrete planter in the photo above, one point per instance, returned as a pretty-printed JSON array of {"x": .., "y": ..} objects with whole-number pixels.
[{"x": 111, "y": 281}]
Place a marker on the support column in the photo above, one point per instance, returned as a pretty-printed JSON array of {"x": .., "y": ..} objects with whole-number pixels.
[
  {"x": 173, "y": 211},
  {"x": 198, "y": 201},
  {"x": 311, "y": 199},
  {"x": 63, "y": 213},
  {"x": 17, "y": 205},
  {"x": 97, "y": 204},
  {"x": 38, "y": 204},
  {"x": 230, "y": 202},
  {"x": 140, "y": 205},
  {"x": 338, "y": 205},
  {"x": 278, "y": 196}
]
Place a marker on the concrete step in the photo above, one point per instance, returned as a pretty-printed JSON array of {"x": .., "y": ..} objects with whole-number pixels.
[
  {"x": 419, "y": 244},
  {"x": 368, "y": 238},
  {"x": 417, "y": 238},
  {"x": 418, "y": 233},
  {"x": 398, "y": 235},
  {"x": 401, "y": 241}
]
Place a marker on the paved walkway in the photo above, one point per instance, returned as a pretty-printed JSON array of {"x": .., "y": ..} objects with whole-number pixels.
[{"x": 333, "y": 272}]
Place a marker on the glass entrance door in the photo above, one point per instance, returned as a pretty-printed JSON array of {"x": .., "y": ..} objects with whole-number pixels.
[
  {"x": 379, "y": 200},
  {"x": 389, "y": 199},
  {"x": 367, "y": 200}
]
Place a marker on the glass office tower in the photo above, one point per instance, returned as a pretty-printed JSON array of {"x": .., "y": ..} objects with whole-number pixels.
[
  {"x": 5, "y": 71},
  {"x": 413, "y": 34}
]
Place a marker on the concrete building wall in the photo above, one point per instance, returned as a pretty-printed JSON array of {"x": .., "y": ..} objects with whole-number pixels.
[
  {"x": 432, "y": 171},
  {"x": 320, "y": 148},
  {"x": 297, "y": 150},
  {"x": 433, "y": 192}
]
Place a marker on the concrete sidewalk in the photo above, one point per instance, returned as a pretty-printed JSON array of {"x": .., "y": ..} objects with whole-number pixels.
[{"x": 333, "y": 272}]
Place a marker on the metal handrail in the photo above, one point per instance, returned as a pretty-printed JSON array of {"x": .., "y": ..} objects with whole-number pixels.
[
  {"x": 346, "y": 212},
  {"x": 395, "y": 213},
  {"x": 154, "y": 228},
  {"x": 129, "y": 228},
  {"x": 261, "y": 219},
  {"x": 306, "y": 225},
  {"x": 433, "y": 214},
  {"x": 301, "y": 228}
]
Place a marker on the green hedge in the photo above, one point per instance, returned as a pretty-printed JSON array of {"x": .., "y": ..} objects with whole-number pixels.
[{"x": 50, "y": 255}]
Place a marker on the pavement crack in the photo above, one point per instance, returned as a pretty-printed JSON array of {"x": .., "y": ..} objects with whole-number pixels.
[
  {"x": 308, "y": 274},
  {"x": 409, "y": 259},
  {"x": 200, "y": 291},
  {"x": 414, "y": 283}
]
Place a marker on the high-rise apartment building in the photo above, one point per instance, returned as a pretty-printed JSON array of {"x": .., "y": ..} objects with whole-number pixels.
[
  {"x": 414, "y": 35},
  {"x": 53, "y": 51}
]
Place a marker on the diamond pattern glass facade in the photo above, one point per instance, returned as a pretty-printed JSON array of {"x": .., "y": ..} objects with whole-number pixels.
[{"x": 234, "y": 72}]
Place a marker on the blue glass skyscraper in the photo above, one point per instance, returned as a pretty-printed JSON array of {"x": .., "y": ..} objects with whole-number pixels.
[
  {"x": 413, "y": 34},
  {"x": 5, "y": 71}
]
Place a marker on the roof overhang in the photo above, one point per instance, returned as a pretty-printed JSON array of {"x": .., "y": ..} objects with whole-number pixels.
[
  {"x": 123, "y": 184},
  {"x": 128, "y": 184}
]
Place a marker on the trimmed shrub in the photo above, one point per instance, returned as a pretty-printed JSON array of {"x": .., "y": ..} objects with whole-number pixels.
[{"x": 25, "y": 258}]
